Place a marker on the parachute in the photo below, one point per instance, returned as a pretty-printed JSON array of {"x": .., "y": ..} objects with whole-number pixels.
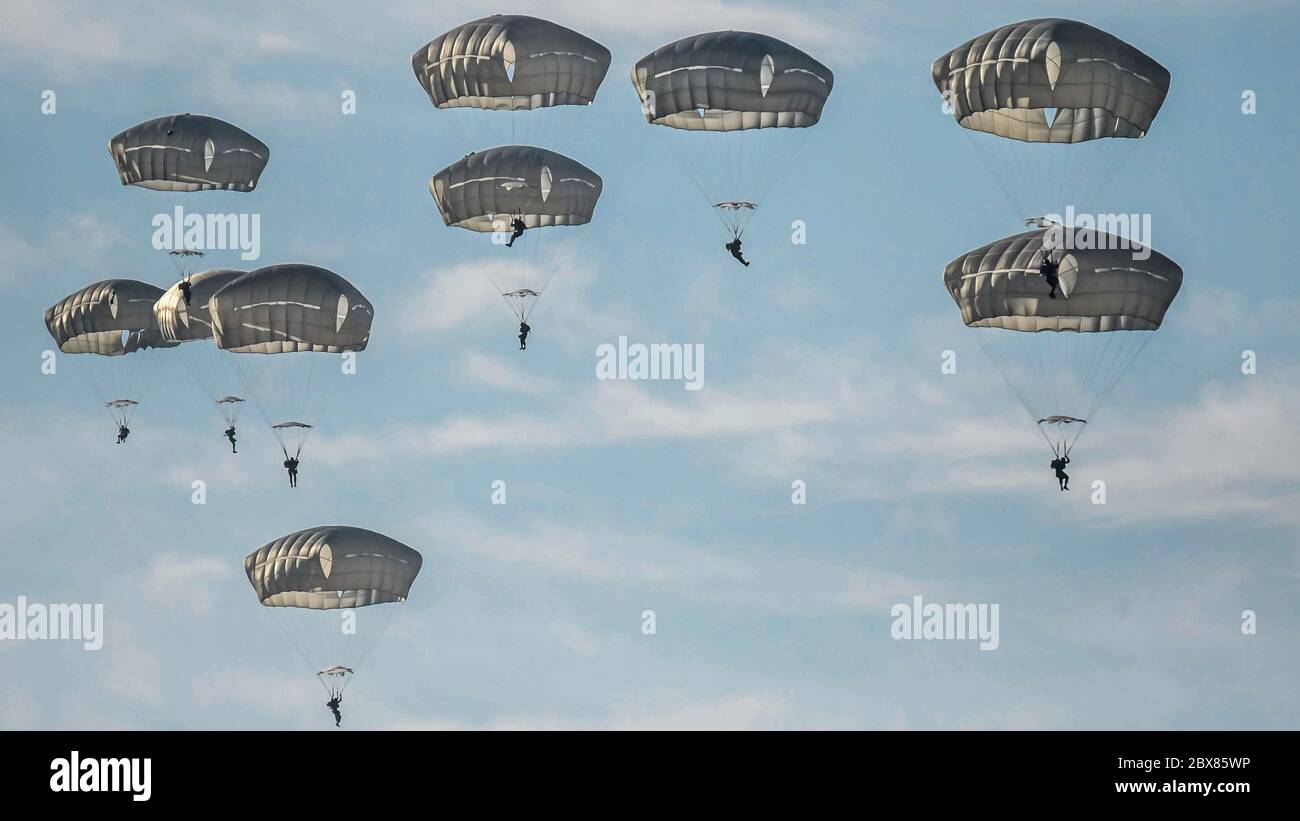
[
  {"x": 738, "y": 103},
  {"x": 1063, "y": 357},
  {"x": 1061, "y": 432},
  {"x": 179, "y": 322},
  {"x": 186, "y": 261},
  {"x": 189, "y": 152},
  {"x": 303, "y": 577},
  {"x": 113, "y": 320},
  {"x": 229, "y": 408},
  {"x": 190, "y": 325},
  {"x": 1053, "y": 107},
  {"x": 510, "y": 62},
  {"x": 121, "y": 410},
  {"x": 487, "y": 191},
  {"x": 292, "y": 436},
  {"x": 286, "y": 323},
  {"x": 493, "y": 76}
]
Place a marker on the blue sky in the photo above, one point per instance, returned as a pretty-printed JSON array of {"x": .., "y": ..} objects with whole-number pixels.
[{"x": 822, "y": 365}]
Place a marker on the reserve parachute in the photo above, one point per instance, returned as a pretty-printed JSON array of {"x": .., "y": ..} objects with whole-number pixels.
[{"x": 1063, "y": 357}]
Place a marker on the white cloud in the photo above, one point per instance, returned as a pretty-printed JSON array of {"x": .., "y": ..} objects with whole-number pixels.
[
  {"x": 573, "y": 637},
  {"x": 276, "y": 694},
  {"x": 841, "y": 31},
  {"x": 465, "y": 296},
  {"x": 677, "y": 711},
  {"x": 179, "y": 581},
  {"x": 451, "y": 298},
  {"x": 85, "y": 238},
  {"x": 273, "y": 42},
  {"x": 496, "y": 372},
  {"x": 250, "y": 97},
  {"x": 132, "y": 671},
  {"x": 661, "y": 710},
  {"x": 62, "y": 36},
  {"x": 18, "y": 711},
  {"x": 20, "y": 255},
  {"x": 1232, "y": 452}
]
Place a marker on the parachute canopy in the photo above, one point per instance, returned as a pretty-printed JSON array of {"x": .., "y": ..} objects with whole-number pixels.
[
  {"x": 189, "y": 152},
  {"x": 110, "y": 318},
  {"x": 1061, "y": 420},
  {"x": 229, "y": 407},
  {"x": 1093, "y": 85},
  {"x": 179, "y": 322},
  {"x": 731, "y": 81},
  {"x": 331, "y": 567},
  {"x": 290, "y": 308},
  {"x": 487, "y": 190},
  {"x": 510, "y": 62},
  {"x": 1109, "y": 287}
]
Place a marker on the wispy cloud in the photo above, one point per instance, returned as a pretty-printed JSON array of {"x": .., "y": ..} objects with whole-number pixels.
[{"x": 179, "y": 581}]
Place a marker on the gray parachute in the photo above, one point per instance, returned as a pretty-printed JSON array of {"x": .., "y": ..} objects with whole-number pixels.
[
  {"x": 731, "y": 81},
  {"x": 189, "y": 152},
  {"x": 510, "y": 62},
  {"x": 290, "y": 308},
  {"x": 1007, "y": 81},
  {"x": 179, "y": 322},
  {"x": 110, "y": 318},
  {"x": 332, "y": 567},
  {"x": 1106, "y": 287},
  {"x": 486, "y": 190}
]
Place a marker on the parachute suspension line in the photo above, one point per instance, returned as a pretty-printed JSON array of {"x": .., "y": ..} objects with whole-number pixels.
[
  {"x": 988, "y": 155},
  {"x": 1068, "y": 373},
  {"x": 385, "y": 616},
  {"x": 1040, "y": 364},
  {"x": 1117, "y": 373},
  {"x": 477, "y": 129},
  {"x": 1038, "y": 178},
  {"x": 1003, "y": 367},
  {"x": 774, "y": 161},
  {"x": 1069, "y": 446},
  {"x": 1051, "y": 443},
  {"x": 322, "y": 645},
  {"x": 296, "y": 631},
  {"x": 683, "y": 159},
  {"x": 1112, "y": 170},
  {"x": 1097, "y": 365},
  {"x": 734, "y": 166}
]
